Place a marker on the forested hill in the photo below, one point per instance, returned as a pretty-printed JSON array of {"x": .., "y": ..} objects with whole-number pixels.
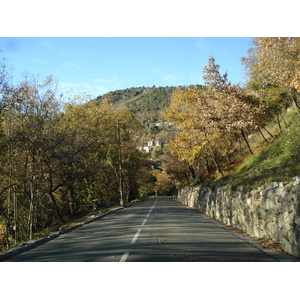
[
  {"x": 153, "y": 101},
  {"x": 144, "y": 102}
]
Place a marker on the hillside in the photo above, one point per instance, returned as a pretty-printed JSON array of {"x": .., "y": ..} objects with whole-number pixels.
[
  {"x": 275, "y": 159},
  {"x": 145, "y": 103}
]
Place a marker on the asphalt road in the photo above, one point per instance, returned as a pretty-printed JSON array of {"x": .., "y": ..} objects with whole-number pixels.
[{"x": 155, "y": 230}]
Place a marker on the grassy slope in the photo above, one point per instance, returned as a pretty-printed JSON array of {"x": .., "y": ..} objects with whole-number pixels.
[{"x": 278, "y": 160}]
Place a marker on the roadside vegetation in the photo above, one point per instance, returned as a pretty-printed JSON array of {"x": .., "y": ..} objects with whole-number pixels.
[
  {"x": 240, "y": 135},
  {"x": 275, "y": 160},
  {"x": 59, "y": 153}
]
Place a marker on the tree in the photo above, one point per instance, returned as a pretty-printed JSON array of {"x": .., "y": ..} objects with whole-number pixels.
[
  {"x": 54, "y": 158},
  {"x": 237, "y": 109},
  {"x": 213, "y": 80},
  {"x": 211, "y": 119},
  {"x": 275, "y": 61},
  {"x": 197, "y": 139},
  {"x": 163, "y": 183},
  {"x": 28, "y": 121},
  {"x": 179, "y": 171}
]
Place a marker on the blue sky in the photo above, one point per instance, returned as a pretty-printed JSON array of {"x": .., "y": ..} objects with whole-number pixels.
[{"x": 98, "y": 65}]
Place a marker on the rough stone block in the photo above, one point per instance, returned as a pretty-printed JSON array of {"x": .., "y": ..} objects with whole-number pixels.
[
  {"x": 297, "y": 234},
  {"x": 297, "y": 214},
  {"x": 291, "y": 218},
  {"x": 296, "y": 180},
  {"x": 272, "y": 185},
  {"x": 269, "y": 204},
  {"x": 263, "y": 193}
]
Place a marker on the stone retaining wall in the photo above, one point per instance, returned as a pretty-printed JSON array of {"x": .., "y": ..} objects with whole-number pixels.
[{"x": 271, "y": 211}]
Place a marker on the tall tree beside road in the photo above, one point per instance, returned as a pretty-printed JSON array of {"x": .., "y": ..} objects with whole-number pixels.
[
  {"x": 239, "y": 111},
  {"x": 196, "y": 141},
  {"x": 275, "y": 61},
  {"x": 28, "y": 122},
  {"x": 212, "y": 119}
]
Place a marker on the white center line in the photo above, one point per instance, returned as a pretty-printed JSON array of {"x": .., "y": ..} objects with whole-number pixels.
[
  {"x": 153, "y": 205},
  {"x": 136, "y": 236},
  {"x": 126, "y": 254},
  {"x": 124, "y": 257}
]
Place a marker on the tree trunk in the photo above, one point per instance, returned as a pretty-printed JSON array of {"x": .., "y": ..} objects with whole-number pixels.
[
  {"x": 296, "y": 99},
  {"x": 246, "y": 140},
  {"x": 8, "y": 223},
  {"x": 215, "y": 160},
  {"x": 207, "y": 166},
  {"x": 283, "y": 119},
  {"x": 214, "y": 157},
  {"x": 120, "y": 164},
  {"x": 71, "y": 196},
  {"x": 262, "y": 135},
  {"x": 7, "y": 236},
  {"x": 60, "y": 217},
  {"x": 191, "y": 169},
  {"x": 216, "y": 164},
  {"x": 30, "y": 216},
  {"x": 198, "y": 177},
  {"x": 270, "y": 134},
  {"x": 16, "y": 215},
  {"x": 56, "y": 208},
  {"x": 278, "y": 122}
]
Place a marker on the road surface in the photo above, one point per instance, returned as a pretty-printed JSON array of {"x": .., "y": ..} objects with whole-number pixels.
[{"x": 155, "y": 230}]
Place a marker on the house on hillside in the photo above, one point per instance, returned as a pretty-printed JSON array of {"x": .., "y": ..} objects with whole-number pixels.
[
  {"x": 153, "y": 143},
  {"x": 148, "y": 147}
]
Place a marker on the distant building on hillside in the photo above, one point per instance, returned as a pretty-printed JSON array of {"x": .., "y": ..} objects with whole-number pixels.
[
  {"x": 153, "y": 143},
  {"x": 148, "y": 147}
]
